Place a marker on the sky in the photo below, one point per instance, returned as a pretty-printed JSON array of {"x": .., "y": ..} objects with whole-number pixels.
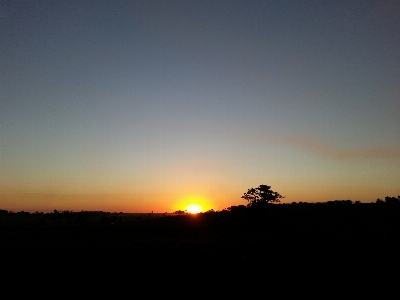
[{"x": 139, "y": 106}]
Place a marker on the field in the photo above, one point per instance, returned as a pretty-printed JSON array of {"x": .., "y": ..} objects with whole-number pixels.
[{"x": 285, "y": 248}]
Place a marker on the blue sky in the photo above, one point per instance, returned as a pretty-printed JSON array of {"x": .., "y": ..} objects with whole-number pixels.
[{"x": 147, "y": 106}]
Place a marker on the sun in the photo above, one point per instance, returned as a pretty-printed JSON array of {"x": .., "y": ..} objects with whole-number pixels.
[{"x": 194, "y": 208}]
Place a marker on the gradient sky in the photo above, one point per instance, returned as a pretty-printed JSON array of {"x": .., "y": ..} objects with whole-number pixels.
[{"x": 147, "y": 106}]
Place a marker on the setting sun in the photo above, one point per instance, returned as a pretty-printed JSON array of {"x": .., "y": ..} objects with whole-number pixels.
[
  {"x": 193, "y": 203},
  {"x": 194, "y": 208}
]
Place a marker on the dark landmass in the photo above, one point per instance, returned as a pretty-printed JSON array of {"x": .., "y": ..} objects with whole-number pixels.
[{"x": 299, "y": 248}]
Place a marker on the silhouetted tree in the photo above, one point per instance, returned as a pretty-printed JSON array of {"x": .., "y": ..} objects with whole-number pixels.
[
  {"x": 237, "y": 208},
  {"x": 262, "y": 194},
  {"x": 392, "y": 200},
  {"x": 339, "y": 202}
]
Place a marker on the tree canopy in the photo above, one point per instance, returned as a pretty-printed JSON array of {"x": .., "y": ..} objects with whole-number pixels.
[{"x": 261, "y": 194}]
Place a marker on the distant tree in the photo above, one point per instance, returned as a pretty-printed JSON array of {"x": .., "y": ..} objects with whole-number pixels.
[
  {"x": 392, "y": 200},
  {"x": 262, "y": 194},
  {"x": 237, "y": 208},
  {"x": 339, "y": 202}
]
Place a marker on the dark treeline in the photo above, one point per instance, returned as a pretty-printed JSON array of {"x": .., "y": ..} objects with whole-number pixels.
[
  {"x": 339, "y": 246},
  {"x": 234, "y": 220},
  {"x": 387, "y": 200}
]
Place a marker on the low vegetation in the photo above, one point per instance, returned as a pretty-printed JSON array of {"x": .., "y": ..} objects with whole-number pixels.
[{"x": 287, "y": 245}]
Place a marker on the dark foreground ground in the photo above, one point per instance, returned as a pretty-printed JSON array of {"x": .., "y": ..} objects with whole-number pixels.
[{"x": 348, "y": 251}]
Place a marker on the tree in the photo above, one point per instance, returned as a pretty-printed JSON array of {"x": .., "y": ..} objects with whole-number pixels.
[{"x": 262, "y": 194}]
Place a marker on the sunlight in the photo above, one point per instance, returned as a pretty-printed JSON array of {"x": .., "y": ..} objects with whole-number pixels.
[
  {"x": 194, "y": 208},
  {"x": 193, "y": 203}
]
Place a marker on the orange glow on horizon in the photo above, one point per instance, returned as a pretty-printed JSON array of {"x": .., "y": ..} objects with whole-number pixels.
[{"x": 193, "y": 204}]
